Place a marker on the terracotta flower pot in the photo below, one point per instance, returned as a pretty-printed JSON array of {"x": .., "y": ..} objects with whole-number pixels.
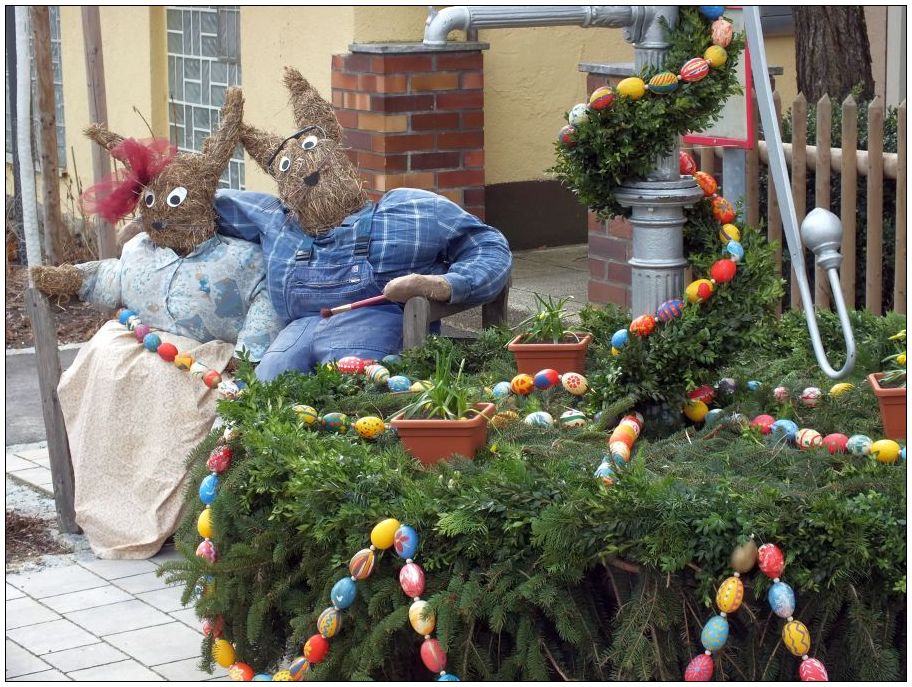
[
  {"x": 563, "y": 357},
  {"x": 431, "y": 441},
  {"x": 892, "y": 407}
]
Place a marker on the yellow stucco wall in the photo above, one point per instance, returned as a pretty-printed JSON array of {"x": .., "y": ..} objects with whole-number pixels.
[{"x": 780, "y": 52}]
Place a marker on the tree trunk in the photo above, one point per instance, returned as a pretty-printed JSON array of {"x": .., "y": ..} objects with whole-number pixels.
[{"x": 832, "y": 52}]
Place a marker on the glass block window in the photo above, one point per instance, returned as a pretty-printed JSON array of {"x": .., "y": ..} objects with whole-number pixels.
[{"x": 203, "y": 61}]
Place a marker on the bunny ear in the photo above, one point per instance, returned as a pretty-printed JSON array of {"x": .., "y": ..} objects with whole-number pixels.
[
  {"x": 309, "y": 107},
  {"x": 220, "y": 144},
  {"x": 260, "y": 145},
  {"x": 102, "y": 136}
]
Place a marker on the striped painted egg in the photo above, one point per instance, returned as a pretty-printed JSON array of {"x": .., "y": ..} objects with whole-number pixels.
[
  {"x": 369, "y": 427},
  {"x": 781, "y": 599},
  {"x": 625, "y": 432},
  {"x": 643, "y": 325},
  {"x": 619, "y": 449},
  {"x": 632, "y": 87},
  {"x": 784, "y": 429},
  {"x": 405, "y": 542},
  {"x": 539, "y": 419},
  {"x": 361, "y": 564},
  {"x": 663, "y": 82},
  {"x": 578, "y": 114},
  {"x": 859, "y": 445},
  {"x": 715, "y": 633},
  {"x": 723, "y": 210},
  {"x": 378, "y": 374},
  {"x": 605, "y": 473},
  {"x": 707, "y": 182},
  {"x": 306, "y": 414},
  {"x": 636, "y": 419},
  {"x": 770, "y": 560},
  {"x": 632, "y": 422},
  {"x": 545, "y": 379},
  {"x": 764, "y": 423},
  {"x": 810, "y": 397},
  {"x": 433, "y": 656},
  {"x": 501, "y": 390},
  {"x": 781, "y": 394},
  {"x": 411, "y": 579},
  {"x": 330, "y": 622},
  {"x": 398, "y": 383},
  {"x": 686, "y": 163},
  {"x": 836, "y": 442},
  {"x": 694, "y": 70},
  {"x": 715, "y": 55},
  {"x": 885, "y": 451},
  {"x": 343, "y": 593},
  {"x": 298, "y": 669},
  {"x": 565, "y": 136},
  {"x": 522, "y": 384},
  {"x": 335, "y": 422},
  {"x": 841, "y": 388},
  {"x": 573, "y": 419},
  {"x": 700, "y": 669},
  {"x": 729, "y": 232},
  {"x": 223, "y": 652},
  {"x": 422, "y": 618},
  {"x": 620, "y": 338},
  {"x": 735, "y": 250},
  {"x": 712, "y": 11},
  {"x": 796, "y": 637},
  {"x": 601, "y": 98},
  {"x": 699, "y": 290},
  {"x": 575, "y": 383},
  {"x": 722, "y": 32},
  {"x": 813, "y": 670},
  {"x": 808, "y": 438},
  {"x": 670, "y": 310},
  {"x": 730, "y": 595}
]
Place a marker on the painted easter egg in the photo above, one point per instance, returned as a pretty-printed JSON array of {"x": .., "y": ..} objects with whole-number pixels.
[
  {"x": 220, "y": 458},
  {"x": 565, "y": 136},
  {"x": 262, "y": 677},
  {"x": 539, "y": 419},
  {"x": 643, "y": 325},
  {"x": 223, "y": 652},
  {"x": 316, "y": 648},
  {"x": 722, "y": 32},
  {"x": 630, "y": 421},
  {"x": 398, "y": 383},
  {"x": 361, "y": 564},
  {"x": 306, "y": 414},
  {"x": 737, "y": 423},
  {"x": 133, "y": 322},
  {"x": 839, "y": 389},
  {"x": 813, "y": 670},
  {"x": 575, "y": 383},
  {"x": 151, "y": 342},
  {"x": 378, "y": 374},
  {"x": 810, "y": 396},
  {"x": 744, "y": 557},
  {"x": 330, "y": 621},
  {"x": 433, "y": 656},
  {"x": 770, "y": 560},
  {"x": 729, "y": 232},
  {"x": 369, "y": 427},
  {"x": 422, "y": 618},
  {"x": 420, "y": 385},
  {"x": 796, "y": 637},
  {"x": 240, "y": 672},
  {"x": 447, "y": 677},
  {"x": 167, "y": 352},
  {"x": 383, "y": 535},
  {"x": 405, "y": 542},
  {"x": 204, "y": 523},
  {"x": 663, "y": 82},
  {"x": 727, "y": 385},
  {"x": 696, "y": 411},
  {"x": 579, "y": 113},
  {"x": 298, "y": 668},
  {"x": 197, "y": 370},
  {"x": 836, "y": 443},
  {"x": 605, "y": 473},
  {"x": 206, "y": 551},
  {"x": 228, "y": 389},
  {"x": 282, "y": 676},
  {"x": 208, "y": 488},
  {"x": 141, "y": 332},
  {"x": 859, "y": 445},
  {"x": 699, "y": 290},
  {"x": 715, "y": 55},
  {"x": 781, "y": 394},
  {"x": 620, "y": 338},
  {"x": 350, "y": 365},
  {"x": 411, "y": 579},
  {"x": 632, "y": 87},
  {"x": 601, "y": 98},
  {"x": 212, "y": 379},
  {"x": 808, "y": 438},
  {"x": 723, "y": 271},
  {"x": 619, "y": 449},
  {"x": 730, "y": 595},
  {"x": 764, "y": 423},
  {"x": 213, "y": 627},
  {"x": 753, "y": 385},
  {"x": 784, "y": 429},
  {"x": 343, "y": 593},
  {"x": 183, "y": 361},
  {"x": 391, "y": 359},
  {"x": 713, "y": 417},
  {"x": 715, "y": 633},
  {"x": 885, "y": 451},
  {"x": 686, "y": 163},
  {"x": 501, "y": 390},
  {"x": 124, "y": 315},
  {"x": 712, "y": 11},
  {"x": 625, "y": 434},
  {"x": 335, "y": 422},
  {"x": 723, "y": 210},
  {"x": 781, "y": 599},
  {"x": 700, "y": 669},
  {"x": 735, "y": 250},
  {"x": 694, "y": 70},
  {"x": 636, "y": 419},
  {"x": 703, "y": 393},
  {"x": 545, "y": 379},
  {"x": 504, "y": 418},
  {"x": 573, "y": 419},
  {"x": 670, "y": 309},
  {"x": 522, "y": 384}
]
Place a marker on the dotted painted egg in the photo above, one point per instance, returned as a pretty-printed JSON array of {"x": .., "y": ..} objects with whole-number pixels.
[
  {"x": 712, "y": 11},
  {"x": 601, "y": 98},
  {"x": 841, "y": 388},
  {"x": 377, "y": 374},
  {"x": 223, "y": 652},
  {"x": 350, "y": 365},
  {"x": 316, "y": 648},
  {"x": 781, "y": 394},
  {"x": 703, "y": 393},
  {"x": 859, "y": 445},
  {"x": 735, "y": 250},
  {"x": 298, "y": 668},
  {"x": 715, "y": 633},
  {"x": 643, "y": 325},
  {"x": 330, "y": 621},
  {"x": 399, "y": 383},
  {"x": 700, "y": 669},
  {"x": 605, "y": 473},
  {"x": 240, "y": 672},
  {"x": 715, "y": 55},
  {"x": 208, "y": 489},
  {"x": 632, "y": 87},
  {"x": 579, "y": 113},
  {"x": 781, "y": 599},
  {"x": 663, "y": 82},
  {"x": 694, "y": 70},
  {"x": 501, "y": 390},
  {"x": 522, "y": 384},
  {"x": 696, "y": 411},
  {"x": 669, "y": 310},
  {"x": 723, "y": 271},
  {"x": 730, "y": 595},
  {"x": 699, "y": 290},
  {"x": 575, "y": 383},
  {"x": 729, "y": 232},
  {"x": 573, "y": 419},
  {"x": 813, "y": 670},
  {"x": 808, "y": 438},
  {"x": 885, "y": 451},
  {"x": 361, "y": 564},
  {"x": 422, "y": 619},
  {"x": 686, "y": 163},
  {"x": 167, "y": 352},
  {"x": 405, "y": 542},
  {"x": 620, "y": 338},
  {"x": 335, "y": 422},
  {"x": 183, "y": 361},
  {"x": 539, "y": 419},
  {"x": 764, "y": 423},
  {"x": 369, "y": 427},
  {"x": 411, "y": 579},
  {"x": 504, "y": 418},
  {"x": 722, "y": 209},
  {"x": 713, "y": 417},
  {"x": 770, "y": 560},
  {"x": 836, "y": 443},
  {"x": 565, "y": 136},
  {"x": 784, "y": 429},
  {"x": 796, "y": 638},
  {"x": 810, "y": 396},
  {"x": 722, "y": 32},
  {"x": 545, "y": 379},
  {"x": 282, "y": 676},
  {"x": 219, "y": 459}
]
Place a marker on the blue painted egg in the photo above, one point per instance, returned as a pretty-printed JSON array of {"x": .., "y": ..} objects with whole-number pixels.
[
  {"x": 712, "y": 11},
  {"x": 448, "y": 677},
  {"x": 670, "y": 310},
  {"x": 336, "y": 422},
  {"x": 902, "y": 454},
  {"x": 784, "y": 428},
  {"x": 619, "y": 459},
  {"x": 298, "y": 668},
  {"x": 545, "y": 379},
  {"x": 781, "y": 599},
  {"x": 405, "y": 542},
  {"x": 209, "y": 488},
  {"x": 152, "y": 342},
  {"x": 343, "y": 593},
  {"x": 605, "y": 472},
  {"x": 713, "y": 417},
  {"x": 753, "y": 385},
  {"x": 620, "y": 338},
  {"x": 262, "y": 677},
  {"x": 399, "y": 383},
  {"x": 859, "y": 445},
  {"x": 501, "y": 390},
  {"x": 125, "y": 315},
  {"x": 715, "y": 633},
  {"x": 735, "y": 250}
]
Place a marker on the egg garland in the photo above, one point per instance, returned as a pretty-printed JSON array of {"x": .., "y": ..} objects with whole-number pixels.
[{"x": 620, "y": 445}]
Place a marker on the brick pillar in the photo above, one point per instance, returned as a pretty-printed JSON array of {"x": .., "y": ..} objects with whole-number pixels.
[{"x": 415, "y": 118}]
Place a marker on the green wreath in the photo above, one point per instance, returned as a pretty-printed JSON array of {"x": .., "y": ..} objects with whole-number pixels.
[{"x": 622, "y": 141}]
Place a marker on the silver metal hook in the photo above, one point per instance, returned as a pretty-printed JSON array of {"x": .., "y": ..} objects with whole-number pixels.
[{"x": 821, "y": 229}]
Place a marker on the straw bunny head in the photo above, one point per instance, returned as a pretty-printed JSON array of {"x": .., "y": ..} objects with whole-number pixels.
[
  {"x": 175, "y": 191},
  {"x": 316, "y": 180}
]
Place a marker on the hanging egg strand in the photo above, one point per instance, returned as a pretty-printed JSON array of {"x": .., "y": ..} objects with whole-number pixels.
[{"x": 620, "y": 447}]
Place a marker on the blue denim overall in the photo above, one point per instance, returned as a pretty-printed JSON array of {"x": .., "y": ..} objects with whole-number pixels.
[{"x": 310, "y": 339}]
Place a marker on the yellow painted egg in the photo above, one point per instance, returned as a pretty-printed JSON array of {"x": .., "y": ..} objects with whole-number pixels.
[
  {"x": 306, "y": 414},
  {"x": 885, "y": 450},
  {"x": 716, "y": 56},
  {"x": 384, "y": 533},
  {"x": 369, "y": 427},
  {"x": 696, "y": 411},
  {"x": 627, "y": 428},
  {"x": 204, "y": 524},
  {"x": 223, "y": 652},
  {"x": 422, "y": 619},
  {"x": 632, "y": 87},
  {"x": 421, "y": 385},
  {"x": 183, "y": 361},
  {"x": 614, "y": 351},
  {"x": 729, "y": 232},
  {"x": 699, "y": 290},
  {"x": 282, "y": 676},
  {"x": 632, "y": 424},
  {"x": 841, "y": 388},
  {"x": 504, "y": 418},
  {"x": 730, "y": 595},
  {"x": 901, "y": 358},
  {"x": 796, "y": 637},
  {"x": 575, "y": 383},
  {"x": 744, "y": 557}
]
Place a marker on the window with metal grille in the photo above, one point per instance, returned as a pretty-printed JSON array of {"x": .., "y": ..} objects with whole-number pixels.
[{"x": 203, "y": 61}]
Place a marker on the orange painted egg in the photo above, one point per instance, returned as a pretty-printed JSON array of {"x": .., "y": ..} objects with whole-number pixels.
[
  {"x": 707, "y": 182},
  {"x": 619, "y": 448},
  {"x": 643, "y": 325},
  {"x": 694, "y": 70},
  {"x": 522, "y": 384},
  {"x": 723, "y": 210},
  {"x": 240, "y": 672}
]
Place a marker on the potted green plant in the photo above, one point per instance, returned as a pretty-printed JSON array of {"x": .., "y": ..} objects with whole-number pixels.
[
  {"x": 441, "y": 421},
  {"x": 890, "y": 388},
  {"x": 545, "y": 342}
]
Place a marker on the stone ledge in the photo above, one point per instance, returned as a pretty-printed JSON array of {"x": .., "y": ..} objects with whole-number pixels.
[{"x": 410, "y": 48}]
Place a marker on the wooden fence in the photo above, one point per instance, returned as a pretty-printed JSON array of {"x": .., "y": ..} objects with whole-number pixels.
[{"x": 847, "y": 162}]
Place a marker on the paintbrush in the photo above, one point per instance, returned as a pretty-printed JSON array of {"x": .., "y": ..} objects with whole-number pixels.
[{"x": 329, "y": 312}]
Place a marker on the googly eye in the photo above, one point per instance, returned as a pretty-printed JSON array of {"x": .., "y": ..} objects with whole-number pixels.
[
  {"x": 284, "y": 164},
  {"x": 309, "y": 142},
  {"x": 176, "y": 196},
  {"x": 149, "y": 199}
]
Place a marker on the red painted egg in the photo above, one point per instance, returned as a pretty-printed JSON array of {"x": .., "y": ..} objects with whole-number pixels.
[
  {"x": 316, "y": 648},
  {"x": 700, "y": 669},
  {"x": 836, "y": 443},
  {"x": 813, "y": 670},
  {"x": 643, "y": 325},
  {"x": 433, "y": 655},
  {"x": 545, "y": 379},
  {"x": 722, "y": 31},
  {"x": 707, "y": 182},
  {"x": 686, "y": 163},
  {"x": 411, "y": 579},
  {"x": 723, "y": 271},
  {"x": 601, "y": 98},
  {"x": 214, "y": 626},
  {"x": 770, "y": 560},
  {"x": 723, "y": 210},
  {"x": 565, "y": 136},
  {"x": 212, "y": 379},
  {"x": 350, "y": 365},
  {"x": 764, "y": 423},
  {"x": 240, "y": 672},
  {"x": 219, "y": 459},
  {"x": 167, "y": 352},
  {"x": 694, "y": 70},
  {"x": 703, "y": 393}
]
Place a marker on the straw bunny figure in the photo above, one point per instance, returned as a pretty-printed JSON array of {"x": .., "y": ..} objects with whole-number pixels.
[
  {"x": 326, "y": 245},
  {"x": 132, "y": 418}
]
